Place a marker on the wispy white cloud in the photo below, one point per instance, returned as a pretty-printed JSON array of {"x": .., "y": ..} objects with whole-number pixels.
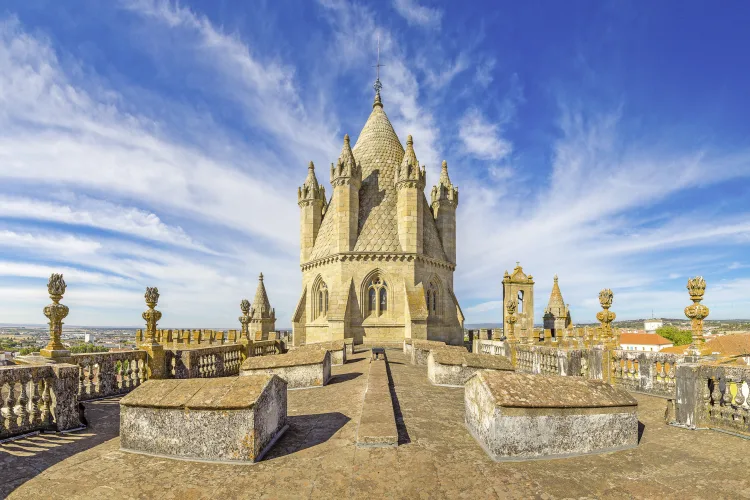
[
  {"x": 85, "y": 211},
  {"x": 481, "y": 138},
  {"x": 418, "y": 15},
  {"x": 483, "y": 73}
]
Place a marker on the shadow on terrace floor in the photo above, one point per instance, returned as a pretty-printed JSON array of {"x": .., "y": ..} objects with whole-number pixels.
[
  {"x": 306, "y": 431},
  {"x": 26, "y": 457}
]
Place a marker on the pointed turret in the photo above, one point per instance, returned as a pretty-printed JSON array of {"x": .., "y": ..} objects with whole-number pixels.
[
  {"x": 556, "y": 315},
  {"x": 409, "y": 173},
  {"x": 410, "y": 181},
  {"x": 444, "y": 204},
  {"x": 346, "y": 179},
  {"x": 346, "y": 168},
  {"x": 311, "y": 198},
  {"x": 262, "y": 315}
]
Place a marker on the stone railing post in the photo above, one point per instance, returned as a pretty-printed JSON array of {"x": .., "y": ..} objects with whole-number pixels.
[
  {"x": 56, "y": 312},
  {"x": 65, "y": 389},
  {"x": 156, "y": 360},
  {"x": 696, "y": 312},
  {"x": 511, "y": 319}
]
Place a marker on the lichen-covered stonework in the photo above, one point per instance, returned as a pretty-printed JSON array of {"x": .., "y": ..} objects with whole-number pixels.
[
  {"x": 226, "y": 419},
  {"x": 453, "y": 367},
  {"x": 556, "y": 417},
  {"x": 300, "y": 368}
]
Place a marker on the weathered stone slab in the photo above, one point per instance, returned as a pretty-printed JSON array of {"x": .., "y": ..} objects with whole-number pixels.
[
  {"x": 377, "y": 422},
  {"x": 517, "y": 416},
  {"x": 300, "y": 368},
  {"x": 229, "y": 419},
  {"x": 420, "y": 349},
  {"x": 453, "y": 367},
  {"x": 337, "y": 348}
]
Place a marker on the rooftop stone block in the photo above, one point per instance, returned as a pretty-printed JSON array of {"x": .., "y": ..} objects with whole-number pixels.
[
  {"x": 453, "y": 367},
  {"x": 300, "y": 368},
  {"x": 517, "y": 416},
  {"x": 229, "y": 419}
]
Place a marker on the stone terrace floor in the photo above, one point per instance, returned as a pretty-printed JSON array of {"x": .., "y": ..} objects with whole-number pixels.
[{"x": 317, "y": 457}]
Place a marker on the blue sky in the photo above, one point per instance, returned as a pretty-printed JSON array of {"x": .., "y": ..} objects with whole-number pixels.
[{"x": 153, "y": 143}]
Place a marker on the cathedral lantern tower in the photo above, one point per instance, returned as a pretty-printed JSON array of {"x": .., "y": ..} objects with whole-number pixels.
[
  {"x": 311, "y": 199},
  {"x": 378, "y": 270},
  {"x": 410, "y": 182},
  {"x": 346, "y": 179},
  {"x": 444, "y": 203}
]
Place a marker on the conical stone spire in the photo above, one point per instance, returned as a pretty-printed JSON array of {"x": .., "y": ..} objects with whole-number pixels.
[
  {"x": 261, "y": 308},
  {"x": 444, "y": 191},
  {"x": 556, "y": 303},
  {"x": 346, "y": 168},
  {"x": 409, "y": 172},
  {"x": 310, "y": 189}
]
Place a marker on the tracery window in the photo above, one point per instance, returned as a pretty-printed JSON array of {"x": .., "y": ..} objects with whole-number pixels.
[
  {"x": 320, "y": 296},
  {"x": 377, "y": 291},
  {"x": 433, "y": 291}
]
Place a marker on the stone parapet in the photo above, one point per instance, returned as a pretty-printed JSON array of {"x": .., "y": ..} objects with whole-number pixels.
[
  {"x": 517, "y": 416},
  {"x": 109, "y": 373},
  {"x": 37, "y": 398},
  {"x": 204, "y": 362},
  {"x": 229, "y": 419}
]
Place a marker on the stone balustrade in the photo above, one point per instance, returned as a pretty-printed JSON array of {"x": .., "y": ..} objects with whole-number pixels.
[
  {"x": 724, "y": 393},
  {"x": 109, "y": 373},
  {"x": 647, "y": 372},
  {"x": 204, "y": 362},
  {"x": 38, "y": 398},
  {"x": 267, "y": 347}
]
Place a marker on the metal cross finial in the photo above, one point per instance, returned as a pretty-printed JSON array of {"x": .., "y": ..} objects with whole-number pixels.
[{"x": 377, "y": 86}]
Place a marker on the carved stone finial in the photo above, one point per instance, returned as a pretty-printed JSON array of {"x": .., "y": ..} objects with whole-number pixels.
[
  {"x": 510, "y": 308},
  {"x": 260, "y": 277},
  {"x": 606, "y": 317},
  {"x": 56, "y": 287},
  {"x": 55, "y": 312},
  {"x": 151, "y": 315},
  {"x": 696, "y": 312},
  {"x": 152, "y": 296},
  {"x": 245, "y": 319}
]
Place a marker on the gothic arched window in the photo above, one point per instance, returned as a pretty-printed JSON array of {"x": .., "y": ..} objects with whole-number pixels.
[
  {"x": 320, "y": 298},
  {"x": 377, "y": 293},
  {"x": 433, "y": 291}
]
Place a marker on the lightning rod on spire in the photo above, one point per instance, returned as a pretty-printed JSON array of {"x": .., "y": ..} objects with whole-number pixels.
[{"x": 377, "y": 86}]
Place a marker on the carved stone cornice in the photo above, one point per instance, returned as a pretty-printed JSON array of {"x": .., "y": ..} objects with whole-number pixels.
[{"x": 377, "y": 257}]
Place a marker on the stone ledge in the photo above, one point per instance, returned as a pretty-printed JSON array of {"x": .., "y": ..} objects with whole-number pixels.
[
  {"x": 377, "y": 423},
  {"x": 297, "y": 357},
  {"x": 523, "y": 390}
]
